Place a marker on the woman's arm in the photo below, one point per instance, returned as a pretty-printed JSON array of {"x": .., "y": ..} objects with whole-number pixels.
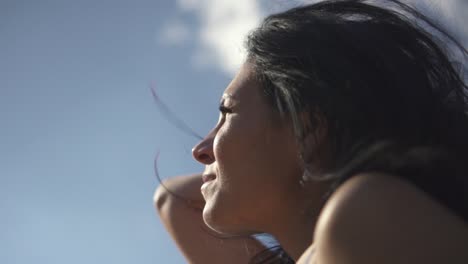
[{"x": 182, "y": 217}]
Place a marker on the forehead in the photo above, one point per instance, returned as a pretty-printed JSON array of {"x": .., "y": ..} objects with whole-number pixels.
[{"x": 244, "y": 86}]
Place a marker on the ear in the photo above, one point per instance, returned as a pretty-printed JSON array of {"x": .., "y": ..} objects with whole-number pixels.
[{"x": 314, "y": 139}]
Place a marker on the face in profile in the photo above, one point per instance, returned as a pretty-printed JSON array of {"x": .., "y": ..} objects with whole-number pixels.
[{"x": 252, "y": 161}]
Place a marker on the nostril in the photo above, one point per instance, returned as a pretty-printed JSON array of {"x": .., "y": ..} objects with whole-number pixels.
[{"x": 203, "y": 151}]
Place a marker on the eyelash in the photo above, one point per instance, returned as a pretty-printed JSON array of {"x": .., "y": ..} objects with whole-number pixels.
[{"x": 224, "y": 109}]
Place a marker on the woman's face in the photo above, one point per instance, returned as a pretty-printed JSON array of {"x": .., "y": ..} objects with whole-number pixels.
[{"x": 252, "y": 161}]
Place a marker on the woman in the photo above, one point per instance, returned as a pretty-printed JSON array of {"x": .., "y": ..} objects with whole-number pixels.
[{"x": 344, "y": 135}]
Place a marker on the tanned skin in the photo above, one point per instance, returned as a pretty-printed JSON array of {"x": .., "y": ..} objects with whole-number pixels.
[
  {"x": 183, "y": 220},
  {"x": 369, "y": 219}
]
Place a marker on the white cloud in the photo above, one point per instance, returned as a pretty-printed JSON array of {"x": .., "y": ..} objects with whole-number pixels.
[
  {"x": 223, "y": 25},
  {"x": 188, "y": 5},
  {"x": 175, "y": 32}
]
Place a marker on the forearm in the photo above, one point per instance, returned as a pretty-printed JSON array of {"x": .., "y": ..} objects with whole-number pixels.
[
  {"x": 184, "y": 222},
  {"x": 186, "y": 189}
]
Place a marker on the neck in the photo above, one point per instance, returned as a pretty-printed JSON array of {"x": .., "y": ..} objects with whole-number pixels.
[
  {"x": 296, "y": 236},
  {"x": 295, "y": 228}
]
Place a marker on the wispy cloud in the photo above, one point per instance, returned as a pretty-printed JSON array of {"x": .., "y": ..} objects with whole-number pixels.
[
  {"x": 451, "y": 14},
  {"x": 174, "y": 32},
  {"x": 188, "y": 5},
  {"x": 223, "y": 24}
]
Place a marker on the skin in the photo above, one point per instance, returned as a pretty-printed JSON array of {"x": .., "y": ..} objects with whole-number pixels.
[
  {"x": 185, "y": 224},
  {"x": 253, "y": 156},
  {"x": 380, "y": 218}
]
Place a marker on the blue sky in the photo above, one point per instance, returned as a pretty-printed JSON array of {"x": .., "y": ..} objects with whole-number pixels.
[{"x": 79, "y": 128}]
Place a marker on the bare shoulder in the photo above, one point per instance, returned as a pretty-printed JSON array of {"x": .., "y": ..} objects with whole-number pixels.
[{"x": 377, "y": 218}]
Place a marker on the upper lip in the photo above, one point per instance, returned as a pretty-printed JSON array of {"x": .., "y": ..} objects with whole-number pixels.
[{"x": 208, "y": 177}]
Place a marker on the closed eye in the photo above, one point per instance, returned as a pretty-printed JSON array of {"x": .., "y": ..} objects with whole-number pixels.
[{"x": 224, "y": 109}]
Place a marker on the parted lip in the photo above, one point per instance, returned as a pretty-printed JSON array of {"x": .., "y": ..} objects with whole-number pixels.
[{"x": 208, "y": 177}]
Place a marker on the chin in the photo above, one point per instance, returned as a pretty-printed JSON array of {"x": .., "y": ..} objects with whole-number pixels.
[
  {"x": 214, "y": 220},
  {"x": 222, "y": 222}
]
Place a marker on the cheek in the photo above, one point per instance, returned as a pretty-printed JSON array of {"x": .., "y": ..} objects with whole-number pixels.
[
  {"x": 236, "y": 188},
  {"x": 232, "y": 161},
  {"x": 252, "y": 153},
  {"x": 236, "y": 148},
  {"x": 252, "y": 175},
  {"x": 228, "y": 145}
]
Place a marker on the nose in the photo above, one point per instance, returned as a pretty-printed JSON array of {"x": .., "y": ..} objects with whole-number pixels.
[{"x": 203, "y": 151}]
